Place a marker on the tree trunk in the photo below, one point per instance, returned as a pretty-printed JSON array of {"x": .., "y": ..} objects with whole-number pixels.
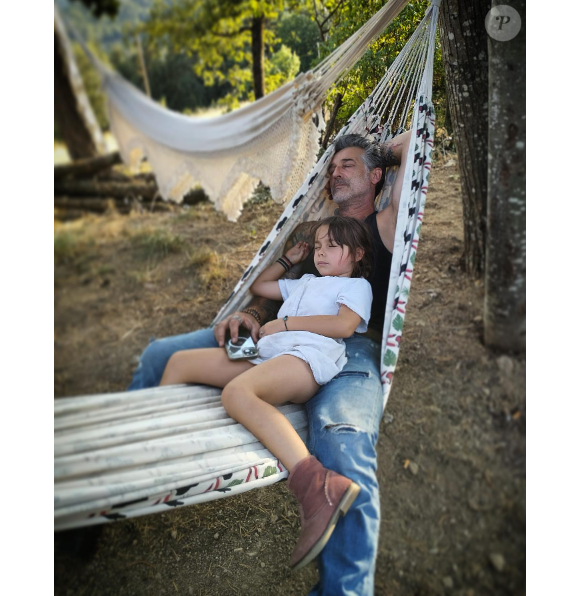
[
  {"x": 79, "y": 205},
  {"x": 143, "y": 187},
  {"x": 87, "y": 167},
  {"x": 258, "y": 56},
  {"x": 464, "y": 44},
  {"x": 105, "y": 188},
  {"x": 332, "y": 120},
  {"x": 505, "y": 271},
  {"x": 72, "y": 110},
  {"x": 143, "y": 66}
]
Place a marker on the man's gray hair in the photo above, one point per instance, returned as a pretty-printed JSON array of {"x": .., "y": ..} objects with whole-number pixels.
[{"x": 372, "y": 157}]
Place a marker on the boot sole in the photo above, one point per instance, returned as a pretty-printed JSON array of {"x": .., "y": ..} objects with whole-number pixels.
[{"x": 345, "y": 503}]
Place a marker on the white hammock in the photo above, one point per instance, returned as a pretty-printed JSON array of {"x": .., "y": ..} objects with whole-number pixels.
[
  {"x": 128, "y": 454},
  {"x": 228, "y": 155}
]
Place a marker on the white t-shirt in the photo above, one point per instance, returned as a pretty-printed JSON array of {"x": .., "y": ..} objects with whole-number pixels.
[{"x": 311, "y": 296}]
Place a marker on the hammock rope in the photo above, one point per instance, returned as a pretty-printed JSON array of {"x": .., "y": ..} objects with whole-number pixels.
[{"x": 132, "y": 453}]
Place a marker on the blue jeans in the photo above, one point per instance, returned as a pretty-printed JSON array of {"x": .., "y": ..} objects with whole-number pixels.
[{"x": 344, "y": 418}]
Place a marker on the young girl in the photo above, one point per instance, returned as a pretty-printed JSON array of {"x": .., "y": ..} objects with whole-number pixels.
[{"x": 297, "y": 353}]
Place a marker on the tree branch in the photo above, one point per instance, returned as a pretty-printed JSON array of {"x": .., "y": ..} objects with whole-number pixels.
[
  {"x": 339, "y": 5},
  {"x": 232, "y": 33}
]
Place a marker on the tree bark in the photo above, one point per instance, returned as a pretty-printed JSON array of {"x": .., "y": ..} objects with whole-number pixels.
[
  {"x": 464, "y": 44},
  {"x": 115, "y": 189},
  {"x": 78, "y": 205},
  {"x": 104, "y": 188},
  {"x": 72, "y": 110},
  {"x": 87, "y": 167},
  {"x": 505, "y": 271},
  {"x": 332, "y": 120},
  {"x": 258, "y": 56}
]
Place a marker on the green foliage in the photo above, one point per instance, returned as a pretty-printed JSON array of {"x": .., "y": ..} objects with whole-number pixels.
[
  {"x": 215, "y": 37},
  {"x": 171, "y": 77},
  {"x": 198, "y": 52},
  {"x": 300, "y": 34},
  {"x": 217, "y": 32},
  {"x": 357, "y": 85},
  {"x": 281, "y": 68}
]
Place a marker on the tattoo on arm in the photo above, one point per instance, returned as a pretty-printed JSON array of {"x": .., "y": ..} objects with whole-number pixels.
[{"x": 390, "y": 157}]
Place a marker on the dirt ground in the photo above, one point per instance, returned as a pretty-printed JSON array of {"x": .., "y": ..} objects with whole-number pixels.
[{"x": 452, "y": 443}]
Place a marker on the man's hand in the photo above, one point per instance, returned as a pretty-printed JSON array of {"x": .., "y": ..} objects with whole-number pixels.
[
  {"x": 298, "y": 252},
  {"x": 233, "y": 323},
  {"x": 272, "y": 327}
]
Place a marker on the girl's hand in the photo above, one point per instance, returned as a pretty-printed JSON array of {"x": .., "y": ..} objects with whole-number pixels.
[
  {"x": 271, "y": 327},
  {"x": 298, "y": 252}
]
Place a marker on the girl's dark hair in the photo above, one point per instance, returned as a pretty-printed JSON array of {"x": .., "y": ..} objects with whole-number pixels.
[{"x": 353, "y": 233}]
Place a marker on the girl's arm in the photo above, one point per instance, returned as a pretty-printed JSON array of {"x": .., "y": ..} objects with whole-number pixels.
[
  {"x": 338, "y": 326},
  {"x": 266, "y": 284}
]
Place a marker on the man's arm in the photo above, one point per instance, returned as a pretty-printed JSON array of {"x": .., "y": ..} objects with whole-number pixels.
[
  {"x": 395, "y": 151},
  {"x": 264, "y": 308}
]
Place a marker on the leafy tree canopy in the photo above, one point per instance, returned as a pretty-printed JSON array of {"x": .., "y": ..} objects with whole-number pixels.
[
  {"x": 198, "y": 52},
  {"x": 362, "y": 79},
  {"x": 219, "y": 34}
]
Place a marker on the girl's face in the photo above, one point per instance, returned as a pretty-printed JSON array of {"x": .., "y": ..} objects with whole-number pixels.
[{"x": 331, "y": 258}]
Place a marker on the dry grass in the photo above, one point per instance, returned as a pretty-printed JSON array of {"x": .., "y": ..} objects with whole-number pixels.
[
  {"x": 156, "y": 244},
  {"x": 209, "y": 267}
]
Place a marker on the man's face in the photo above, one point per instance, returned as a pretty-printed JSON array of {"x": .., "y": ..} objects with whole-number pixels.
[{"x": 349, "y": 178}]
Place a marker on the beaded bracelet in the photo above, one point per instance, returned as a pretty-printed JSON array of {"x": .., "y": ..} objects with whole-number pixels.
[{"x": 254, "y": 313}]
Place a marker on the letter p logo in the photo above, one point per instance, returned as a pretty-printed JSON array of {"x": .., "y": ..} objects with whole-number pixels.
[{"x": 503, "y": 22}]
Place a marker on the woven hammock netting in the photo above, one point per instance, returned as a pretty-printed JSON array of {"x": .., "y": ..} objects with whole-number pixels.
[{"x": 127, "y": 454}]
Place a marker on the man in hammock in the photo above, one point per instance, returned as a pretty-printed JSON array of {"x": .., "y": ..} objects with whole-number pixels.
[{"x": 345, "y": 414}]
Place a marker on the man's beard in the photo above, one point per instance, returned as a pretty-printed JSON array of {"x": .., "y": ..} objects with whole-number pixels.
[{"x": 344, "y": 193}]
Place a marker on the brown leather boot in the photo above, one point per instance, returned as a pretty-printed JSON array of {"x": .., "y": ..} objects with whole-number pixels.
[{"x": 322, "y": 495}]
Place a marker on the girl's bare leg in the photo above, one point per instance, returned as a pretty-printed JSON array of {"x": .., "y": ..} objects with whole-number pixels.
[
  {"x": 210, "y": 366},
  {"x": 250, "y": 399}
]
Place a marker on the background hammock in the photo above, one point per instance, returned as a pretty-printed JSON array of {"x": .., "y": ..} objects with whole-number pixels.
[
  {"x": 228, "y": 155},
  {"x": 132, "y": 453}
]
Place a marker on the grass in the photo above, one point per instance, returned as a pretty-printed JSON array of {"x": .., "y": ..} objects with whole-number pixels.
[
  {"x": 140, "y": 277},
  {"x": 73, "y": 249},
  {"x": 156, "y": 244},
  {"x": 209, "y": 267}
]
